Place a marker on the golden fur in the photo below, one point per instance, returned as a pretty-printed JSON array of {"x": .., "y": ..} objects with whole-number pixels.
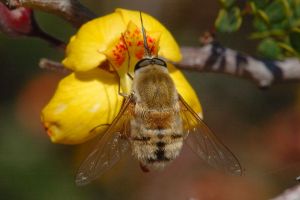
[{"x": 156, "y": 130}]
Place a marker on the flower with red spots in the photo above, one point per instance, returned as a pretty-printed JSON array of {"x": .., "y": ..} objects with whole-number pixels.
[{"x": 102, "y": 55}]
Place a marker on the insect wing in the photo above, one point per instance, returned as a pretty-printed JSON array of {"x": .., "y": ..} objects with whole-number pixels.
[
  {"x": 205, "y": 144},
  {"x": 110, "y": 148}
]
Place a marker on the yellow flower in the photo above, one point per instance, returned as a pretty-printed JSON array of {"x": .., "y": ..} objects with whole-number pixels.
[{"x": 88, "y": 97}]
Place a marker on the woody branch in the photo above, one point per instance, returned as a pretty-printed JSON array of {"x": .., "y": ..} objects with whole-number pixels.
[
  {"x": 71, "y": 10},
  {"x": 212, "y": 57}
]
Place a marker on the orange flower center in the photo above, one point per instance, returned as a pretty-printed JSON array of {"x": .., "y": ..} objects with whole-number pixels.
[{"x": 129, "y": 47}]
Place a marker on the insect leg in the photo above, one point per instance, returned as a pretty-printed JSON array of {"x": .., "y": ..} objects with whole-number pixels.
[
  {"x": 128, "y": 74},
  {"x": 121, "y": 93},
  {"x": 128, "y": 66}
]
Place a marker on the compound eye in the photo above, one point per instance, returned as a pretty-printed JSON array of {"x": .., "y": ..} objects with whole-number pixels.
[
  {"x": 150, "y": 61},
  {"x": 158, "y": 61},
  {"x": 143, "y": 63}
]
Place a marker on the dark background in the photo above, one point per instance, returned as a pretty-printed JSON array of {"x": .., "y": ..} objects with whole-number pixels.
[{"x": 260, "y": 126}]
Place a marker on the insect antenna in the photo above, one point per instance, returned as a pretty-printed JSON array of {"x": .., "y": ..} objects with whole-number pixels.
[{"x": 147, "y": 50}]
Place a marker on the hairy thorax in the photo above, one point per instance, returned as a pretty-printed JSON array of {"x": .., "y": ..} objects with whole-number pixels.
[{"x": 156, "y": 130}]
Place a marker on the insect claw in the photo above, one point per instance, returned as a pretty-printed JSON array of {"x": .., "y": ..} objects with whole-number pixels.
[{"x": 123, "y": 94}]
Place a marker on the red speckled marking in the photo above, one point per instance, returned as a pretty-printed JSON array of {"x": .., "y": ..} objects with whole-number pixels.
[
  {"x": 140, "y": 43},
  {"x": 131, "y": 41},
  {"x": 140, "y": 54},
  {"x": 119, "y": 53}
]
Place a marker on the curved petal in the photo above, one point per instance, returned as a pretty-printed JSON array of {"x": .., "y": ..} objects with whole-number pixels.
[
  {"x": 185, "y": 89},
  {"x": 82, "y": 102},
  {"x": 83, "y": 52}
]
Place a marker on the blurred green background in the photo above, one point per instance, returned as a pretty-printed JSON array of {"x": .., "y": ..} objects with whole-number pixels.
[{"x": 260, "y": 126}]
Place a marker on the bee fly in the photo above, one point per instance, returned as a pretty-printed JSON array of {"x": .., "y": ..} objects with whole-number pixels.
[{"x": 154, "y": 121}]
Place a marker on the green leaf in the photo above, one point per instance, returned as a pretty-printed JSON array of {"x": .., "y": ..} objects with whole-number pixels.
[
  {"x": 253, "y": 7},
  {"x": 287, "y": 7},
  {"x": 260, "y": 35},
  {"x": 296, "y": 9},
  {"x": 260, "y": 24},
  {"x": 284, "y": 24},
  {"x": 228, "y": 20},
  {"x": 295, "y": 22},
  {"x": 269, "y": 48},
  {"x": 276, "y": 11},
  {"x": 261, "y": 14},
  {"x": 297, "y": 29},
  {"x": 277, "y": 32},
  {"x": 289, "y": 51},
  {"x": 295, "y": 40},
  {"x": 227, "y": 3},
  {"x": 260, "y": 3}
]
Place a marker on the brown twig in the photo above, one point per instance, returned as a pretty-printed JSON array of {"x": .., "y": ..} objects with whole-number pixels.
[
  {"x": 18, "y": 22},
  {"x": 51, "y": 65},
  {"x": 38, "y": 32},
  {"x": 71, "y": 10}
]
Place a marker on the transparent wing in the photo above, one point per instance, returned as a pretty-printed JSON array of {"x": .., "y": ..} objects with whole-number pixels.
[
  {"x": 205, "y": 144},
  {"x": 110, "y": 148}
]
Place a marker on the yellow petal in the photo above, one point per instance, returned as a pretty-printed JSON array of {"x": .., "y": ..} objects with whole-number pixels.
[
  {"x": 82, "y": 102},
  {"x": 85, "y": 50},
  {"x": 185, "y": 90}
]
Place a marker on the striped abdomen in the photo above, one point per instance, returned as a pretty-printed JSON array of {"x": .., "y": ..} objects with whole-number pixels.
[{"x": 156, "y": 138}]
